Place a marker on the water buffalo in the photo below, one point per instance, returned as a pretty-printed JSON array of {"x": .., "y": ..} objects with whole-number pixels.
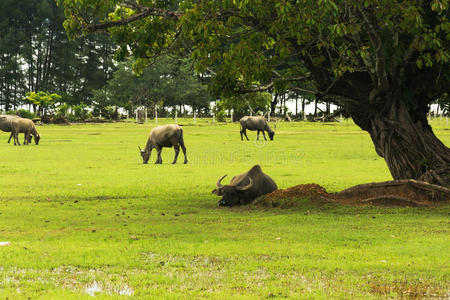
[
  {"x": 164, "y": 136},
  {"x": 5, "y": 124},
  {"x": 244, "y": 188},
  {"x": 258, "y": 123},
  {"x": 26, "y": 126}
]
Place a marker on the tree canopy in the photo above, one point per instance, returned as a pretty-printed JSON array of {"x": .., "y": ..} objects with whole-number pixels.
[{"x": 383, "y": 61}]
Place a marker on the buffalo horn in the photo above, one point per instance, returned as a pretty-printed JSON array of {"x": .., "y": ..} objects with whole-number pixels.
[
  {"x": 218, "y": 184},
  {"x": 243, "y": 188},
  {"x": 140, "y": 148}
]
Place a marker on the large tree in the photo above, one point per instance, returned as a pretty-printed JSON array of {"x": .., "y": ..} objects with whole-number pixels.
[{"x": 383, "y": 61}]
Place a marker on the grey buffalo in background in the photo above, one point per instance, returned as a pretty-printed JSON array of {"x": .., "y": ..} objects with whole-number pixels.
[
  {"x": 258, "y": 123},
  {"x": 26, "y": 126},
  {"x": 244, "y": 188},
  {"x": 5, "y": 124},
  {"x": 164, "y": 136}
]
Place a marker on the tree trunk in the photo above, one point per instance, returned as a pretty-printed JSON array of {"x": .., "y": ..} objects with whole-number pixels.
[
  {"x": 296, "y": 107},
  {"x": 315, "y": 108},
  {"x": 408, "y": 145},
  {"x": 303, "y": 109},
  {"x": 273, "y": 105}
]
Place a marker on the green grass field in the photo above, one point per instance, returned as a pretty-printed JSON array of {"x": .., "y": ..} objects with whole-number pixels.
[{"x": 85, "y": 217}]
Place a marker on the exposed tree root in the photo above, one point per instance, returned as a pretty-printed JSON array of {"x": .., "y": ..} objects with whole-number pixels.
[
  {"x": 391, "y": 199},
  {"x": 406, "y": 192}
]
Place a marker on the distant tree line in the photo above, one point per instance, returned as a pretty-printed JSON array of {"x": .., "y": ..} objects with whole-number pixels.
[{"x": 36, "y": 55}]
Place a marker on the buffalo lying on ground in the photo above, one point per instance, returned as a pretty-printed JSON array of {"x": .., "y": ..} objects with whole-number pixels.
[
  {"x": 164, "y": 136},
  {"x": 258, "y": 123},
  {"x": 26, "y": 126},
  {"x": 244, "y": 188}
]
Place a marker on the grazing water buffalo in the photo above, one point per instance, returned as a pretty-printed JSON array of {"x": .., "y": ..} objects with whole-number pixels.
[
  {"x": 164, "y": 136},
  {"x": 244, "y": 188},
  {"x": 258, "y": 123},
  {"x": 5, "y": 124},
  {"x": 26, "y": 126}
]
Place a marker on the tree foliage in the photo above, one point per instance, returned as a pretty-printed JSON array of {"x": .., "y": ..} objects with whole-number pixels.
[{"x": 277, "y": 42}]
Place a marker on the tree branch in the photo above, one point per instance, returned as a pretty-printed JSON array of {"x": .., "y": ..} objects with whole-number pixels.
[
  {"x": 382, "y": 81},
  {"x": 299, "y": 89},
  {"x": 261, "y": 88},
  {"x": 255, "y": 88},
  {"x": 144, "y": 12}
]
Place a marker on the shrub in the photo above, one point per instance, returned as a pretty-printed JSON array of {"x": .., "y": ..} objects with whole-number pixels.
[
  {"x": 221, "y": 116},
  {"x": 62, "y": 110},
  {"x": 110, "y": 113},
  {"x": 81, "y": 112}
]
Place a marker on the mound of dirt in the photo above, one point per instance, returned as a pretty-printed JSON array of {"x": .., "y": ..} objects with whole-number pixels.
[
  {"x": 286, "y": 198},
  {"x": 390, "y": 193},
  {"x": 310, "y": 191}
]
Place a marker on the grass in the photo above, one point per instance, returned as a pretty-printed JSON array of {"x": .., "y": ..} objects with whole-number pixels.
[{"x": 85, "y": 217}]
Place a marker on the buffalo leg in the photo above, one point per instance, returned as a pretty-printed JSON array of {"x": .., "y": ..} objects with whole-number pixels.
[
  {"x": 10, "y": 137},
  {"x": 257, "y": 135},
  {"x": 177, "y": 151},
  {"x": 159, "y": 159},
  {"x": 264, "y": 135},
  {"x": 16, "y": 138},
  {"x": 184, "y": 152},
  {"x": 28, "y": 138},
  {"x": 245, "y": 134}
]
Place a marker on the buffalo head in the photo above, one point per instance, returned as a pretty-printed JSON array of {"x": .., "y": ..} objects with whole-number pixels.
[
  {"x": 271, "y": 134},
  {"x": 145, "y": 155},
  {"x": 36, "y": 139},
  {"x": 232, "y": 194}
]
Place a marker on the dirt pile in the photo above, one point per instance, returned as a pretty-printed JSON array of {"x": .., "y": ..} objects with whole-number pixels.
[
  {"x": 311, "y": 191},
  {"x": 389, "y": 193},
  {"x": 287, "y": 197}
]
